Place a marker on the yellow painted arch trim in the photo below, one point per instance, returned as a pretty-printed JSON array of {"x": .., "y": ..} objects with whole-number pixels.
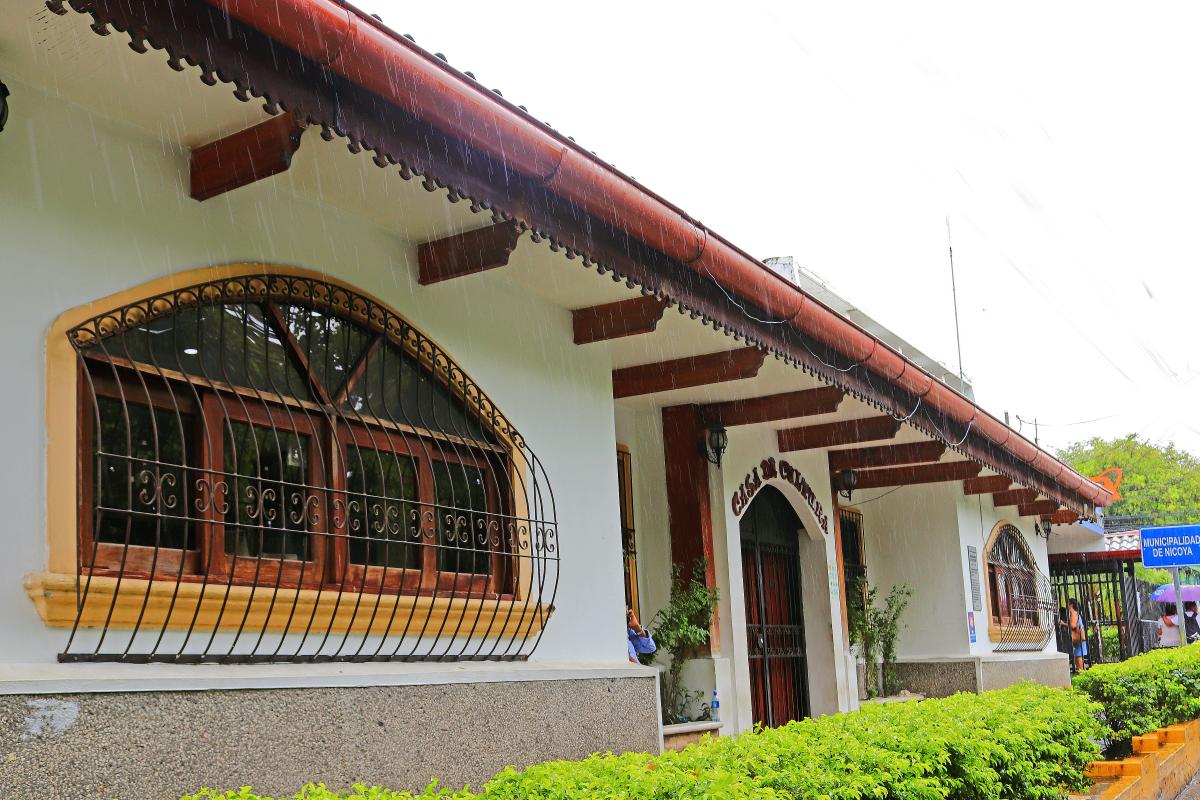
[{"x": 166, "y": 603}]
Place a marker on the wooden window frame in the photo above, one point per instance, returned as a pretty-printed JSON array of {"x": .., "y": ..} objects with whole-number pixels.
[
  {"x": 109, "y": 558},
  {"x": 845, "y": 513},
  {"x": 330, "y": 434},
  {"x": 629, "y": 556}
]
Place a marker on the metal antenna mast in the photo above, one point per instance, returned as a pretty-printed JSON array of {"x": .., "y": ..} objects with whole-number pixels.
[{"x": 954, "y": 293}]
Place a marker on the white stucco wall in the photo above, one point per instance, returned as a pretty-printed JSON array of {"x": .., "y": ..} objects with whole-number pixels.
[
  {"x": 88, "y": 208},
  {"x": 977, "y": 517},
  {"x": 1077, "y": 538},
  {"x": 911, "y": 537},
  {"x": 919, "y": 535}
]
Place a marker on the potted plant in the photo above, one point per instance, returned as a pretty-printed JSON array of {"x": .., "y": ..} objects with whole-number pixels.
[{"x": 678, "y": 629}]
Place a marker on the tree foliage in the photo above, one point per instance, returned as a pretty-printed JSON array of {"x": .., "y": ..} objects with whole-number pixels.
[{"x": 1158, "y": 478}]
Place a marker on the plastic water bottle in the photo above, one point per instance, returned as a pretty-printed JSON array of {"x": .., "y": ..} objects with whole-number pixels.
[{"x": 715, "y": 707}]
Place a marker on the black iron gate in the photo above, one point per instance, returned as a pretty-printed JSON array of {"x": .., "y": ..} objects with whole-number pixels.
[
  {"x": 1118, "y": 621},
  {"x": 774, "y": 611}
]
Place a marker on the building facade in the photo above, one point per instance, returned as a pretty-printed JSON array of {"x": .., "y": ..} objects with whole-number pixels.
[{"x": 322, "y": 356}]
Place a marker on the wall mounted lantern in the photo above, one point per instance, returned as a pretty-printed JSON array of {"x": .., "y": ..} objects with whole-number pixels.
[
  {"x": 3, "y": 105},
  {"x": 1044, "y": 526},
  {"x": 844, "y": 482},
  {"x": 713, "y": 443}
]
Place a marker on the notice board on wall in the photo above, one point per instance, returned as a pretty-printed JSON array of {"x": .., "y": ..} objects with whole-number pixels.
[{"x": 976, "y": 590}]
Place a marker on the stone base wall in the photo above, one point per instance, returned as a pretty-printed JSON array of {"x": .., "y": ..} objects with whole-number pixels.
[
  {"x": 944, "y": 677},
  {"x": 1046, "y": 671},
  {"x": 166, "y": 744},
  {"x": 938, "y": 678}
]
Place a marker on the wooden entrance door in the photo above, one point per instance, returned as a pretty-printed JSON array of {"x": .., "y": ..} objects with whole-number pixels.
[{"x": 770, "y": 533}]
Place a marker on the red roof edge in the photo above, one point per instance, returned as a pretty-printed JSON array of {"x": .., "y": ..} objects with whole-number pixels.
[
  {"x": 361, "y": 49},
  {"x": 1098, "y": 555}
]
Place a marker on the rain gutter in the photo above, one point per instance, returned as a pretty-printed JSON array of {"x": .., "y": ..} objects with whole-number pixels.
[{"x": 356, "y": 46}]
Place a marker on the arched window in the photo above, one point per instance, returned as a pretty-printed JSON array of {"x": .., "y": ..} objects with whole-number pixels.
[
  {"x": 1018, "y": 594},
  {"x": 276, "y": 453}
]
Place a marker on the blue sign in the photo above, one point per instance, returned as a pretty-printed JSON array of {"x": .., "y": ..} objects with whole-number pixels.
[
  {"x": 971, "y": 625},
  {"x": 1171, "y": 546}
]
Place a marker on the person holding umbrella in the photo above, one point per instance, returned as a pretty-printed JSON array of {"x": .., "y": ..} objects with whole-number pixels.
[{"x": 1169, "y": 629}]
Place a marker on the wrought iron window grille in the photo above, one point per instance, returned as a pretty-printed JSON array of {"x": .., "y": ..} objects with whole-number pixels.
[
  {"x": 275, "y": 468},
  {"x": 1021, "y": 597}
]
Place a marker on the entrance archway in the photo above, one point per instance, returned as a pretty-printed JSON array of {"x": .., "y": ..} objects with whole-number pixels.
[{"x": 774, "y": 609}]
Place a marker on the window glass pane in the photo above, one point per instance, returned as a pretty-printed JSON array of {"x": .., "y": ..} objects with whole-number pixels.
[
  {"x": 463, "y": 524},
  {"x": 394, "y": 388},
  {"x": 379, "y": 519},
  {"x": 226, "y": 343},
  {"x": 331, "y": 345},
  {"x": 267, "y": 471},
  {"x": 142, "y": 458}
]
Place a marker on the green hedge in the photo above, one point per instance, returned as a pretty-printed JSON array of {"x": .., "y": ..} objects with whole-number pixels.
[
  {"x": 1023, "y": 742},
  {"x": 1147, "y": 692}
]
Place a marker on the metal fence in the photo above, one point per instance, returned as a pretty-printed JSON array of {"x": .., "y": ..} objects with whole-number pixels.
[{"x": 1119, "y": 619}]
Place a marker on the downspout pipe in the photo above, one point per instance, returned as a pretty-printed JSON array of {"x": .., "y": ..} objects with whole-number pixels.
[{"x": 340, "y": 37}]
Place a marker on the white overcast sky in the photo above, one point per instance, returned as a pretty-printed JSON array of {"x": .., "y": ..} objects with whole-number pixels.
[{"x": 1059, "y": 139}]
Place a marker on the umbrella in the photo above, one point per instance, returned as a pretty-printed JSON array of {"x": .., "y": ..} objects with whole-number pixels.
[{"x": 1166, "y": 593}]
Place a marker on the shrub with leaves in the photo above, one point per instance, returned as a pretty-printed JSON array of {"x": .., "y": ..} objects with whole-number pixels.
[
  {"x": 1110, "y": 642},
  {"x": 1146, "y": 692},
  {"x": 1026, "y": 741},
  {"x": 874, "y": 629},
  {"x": 678, "y": 628},
  {"x": 317, "y": 791}
]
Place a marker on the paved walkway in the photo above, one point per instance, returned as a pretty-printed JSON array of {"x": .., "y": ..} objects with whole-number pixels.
[{"x": 1191, "y": 791}]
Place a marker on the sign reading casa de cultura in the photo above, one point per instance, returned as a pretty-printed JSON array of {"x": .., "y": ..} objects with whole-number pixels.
[{"x": 769, "y": 469}]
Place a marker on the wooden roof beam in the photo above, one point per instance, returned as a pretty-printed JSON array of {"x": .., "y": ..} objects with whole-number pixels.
[
  {"x": 986, "y": 484},
  {"x": 1014, "y": 497},
  {"x": 614, "y": 320},
  {"x": 774, "y": 407},
  {"x": 918, "y": 473},
  {"x": 1041, "y": 507},
  {"x": 244, "y": 157},
  {"x": 687, "y": 372},
  {"x": 466, "y": 253},
  {"x": 832, "y": 434},
  {"x": 888, "y": 455}
]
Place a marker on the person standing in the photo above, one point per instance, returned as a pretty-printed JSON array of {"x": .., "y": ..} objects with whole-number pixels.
[
  {"x": 1171, "y": 633},
  {"x": 1190, "y": 629},
  {"x": 1079, "y": 648},
  {"x": 1168, "y": 631}
]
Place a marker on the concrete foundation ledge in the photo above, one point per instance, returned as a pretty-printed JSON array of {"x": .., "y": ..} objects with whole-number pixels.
[
  {"x": 163, "y": 744},
  {"x": 942, "y": 676},
  {"x": 1162, "y": 764},
  {"x": 57, "y": 678},
  {"x": 677, "y": 737}
]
